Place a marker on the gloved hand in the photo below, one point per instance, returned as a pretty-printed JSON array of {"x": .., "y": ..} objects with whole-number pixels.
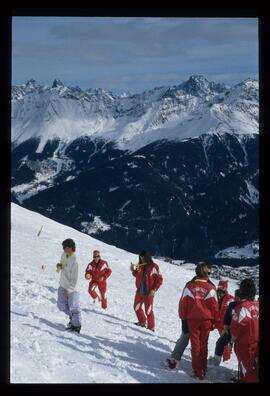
[
  {"x": 101, "y": 279},
  {"x": 133, "y": 267},
  {"x": 87, "y": 276},
  {"x": 152, "y": 293},
  {"x": 58, "y": 267},
  {"x": 66, "y": 293}
]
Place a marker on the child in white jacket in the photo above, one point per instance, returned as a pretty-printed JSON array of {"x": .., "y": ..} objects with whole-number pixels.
[{"x": 68, "y": 291}]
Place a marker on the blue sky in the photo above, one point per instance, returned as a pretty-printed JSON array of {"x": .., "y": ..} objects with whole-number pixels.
[{"x": 133, "y": 53}]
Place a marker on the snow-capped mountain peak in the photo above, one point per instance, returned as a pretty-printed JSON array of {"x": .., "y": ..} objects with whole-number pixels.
[
  {"x": 196, "y": 85},
  {"x": 57, "y": 83},
  {"x": 190, "y": 109},
  {"x": 31, "y": 82}
]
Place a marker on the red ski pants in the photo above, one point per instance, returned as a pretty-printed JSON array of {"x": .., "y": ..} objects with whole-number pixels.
[
  {"x": 102, "y": 287},
  {"x": 246, "y": 355},
  {"x": 148, "y": 302},
  {"x": 199, "y": 333}
]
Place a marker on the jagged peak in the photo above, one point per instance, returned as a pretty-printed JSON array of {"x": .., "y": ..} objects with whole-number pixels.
[
  {"x": 57, "y": 83},
  {"x": 247, "y": 82},
  {"x": 250, "y": 81},
  {"x": 31, "y": 81},
  {"x": 196, "y": 85},
  {"x": 198, "y": 78}
]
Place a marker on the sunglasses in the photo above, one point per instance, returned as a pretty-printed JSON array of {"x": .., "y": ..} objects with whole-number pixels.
[
  {"x": 66, "y": 247},
  {"x": 96, "y": 256}
]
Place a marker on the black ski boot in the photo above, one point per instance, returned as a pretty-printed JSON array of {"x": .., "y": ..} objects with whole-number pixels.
[
  {"x": 75, "y": 329},
  {"x": 69, "y": 325}
]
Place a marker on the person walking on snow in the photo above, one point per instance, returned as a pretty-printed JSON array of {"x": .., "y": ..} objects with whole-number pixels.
[
  {"x": 148, "y": 280},
  {"x": 225, "y": 338},
  {"x": 183, "y": 340},
  {"x": 224, "y": 299},
  {"x": 198, "y": 305},
  {"x": 98, "y": 271},
  {"x": 68, "y": 291},
  {"x": 245, "y": 332}
]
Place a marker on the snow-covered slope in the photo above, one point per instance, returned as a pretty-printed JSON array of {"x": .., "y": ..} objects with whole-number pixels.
[
  {"x": 189, "y": 109},
  {"x": 249, "y": 251},
  {"x": 110, "y": 348}
]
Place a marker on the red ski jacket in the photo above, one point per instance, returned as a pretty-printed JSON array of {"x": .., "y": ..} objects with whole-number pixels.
[
  {"x": 153, "y": 277},
  {"x": 199, "y": 301},
  {"x": 97, "y": 270},
  {"x": 227, "y": 299},
  {"x": 245, "y": 322}
]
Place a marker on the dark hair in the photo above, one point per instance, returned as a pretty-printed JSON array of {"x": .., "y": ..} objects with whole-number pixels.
[
  {"x": 147, "y": 257},
  {"x": 237, "y": 293},
  {"x": 69, "y": 243},
  {"x": 247, "y": 289},
  {"x": 202, "y": 269}
]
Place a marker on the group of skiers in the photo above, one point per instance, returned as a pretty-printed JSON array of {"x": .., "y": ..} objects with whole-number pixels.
[{"x": 202, "y": 308}]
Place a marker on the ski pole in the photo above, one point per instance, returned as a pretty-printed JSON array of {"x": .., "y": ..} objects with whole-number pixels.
[{"x": 38, "y": 234}]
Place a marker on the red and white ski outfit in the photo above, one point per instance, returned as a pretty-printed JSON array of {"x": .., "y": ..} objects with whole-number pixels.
[
  {"x": 223, "y": 305},
  {"x": 153, "y": 280},
  {"x": 198, "y": 305},
  {"x": 245, "y": 328},
  {"x": 99, "y": 272}
]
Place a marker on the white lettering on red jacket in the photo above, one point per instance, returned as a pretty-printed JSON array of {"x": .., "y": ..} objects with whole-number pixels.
[
  {"x": 245, "y": 322},
  {"x": 198, "y": 301}
]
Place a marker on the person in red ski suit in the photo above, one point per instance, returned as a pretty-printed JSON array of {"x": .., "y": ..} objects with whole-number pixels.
[
  {"x": 98, "y": 271},
  {"x": 224, "y": 299},
  {"x": 148, "y": 281},
  {"x": 245, "y": 332},
  {"x": 198, "y": 305},
  {"x": 183, "y": 340}
]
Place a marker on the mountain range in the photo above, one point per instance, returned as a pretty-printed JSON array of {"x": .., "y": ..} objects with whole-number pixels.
[{"x": 174, "y": 169}]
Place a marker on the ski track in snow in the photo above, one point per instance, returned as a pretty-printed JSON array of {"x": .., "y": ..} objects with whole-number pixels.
[{"x": 110, "y": 348}]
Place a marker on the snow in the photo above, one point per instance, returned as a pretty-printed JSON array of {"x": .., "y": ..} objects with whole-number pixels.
[
  {"x": 110, "y": 348},
  {"x": 124, "y": 205},
  {"x": 252, "y": 198},
  {"x": 249, "y": 251},
  {"x": 45, "y": 173},
  {"x": 253, "y": 193},
  {"x": 92, "y": 227},
  {"x": 132, "y": 121},
  {"x": 111, "y": 189}
]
